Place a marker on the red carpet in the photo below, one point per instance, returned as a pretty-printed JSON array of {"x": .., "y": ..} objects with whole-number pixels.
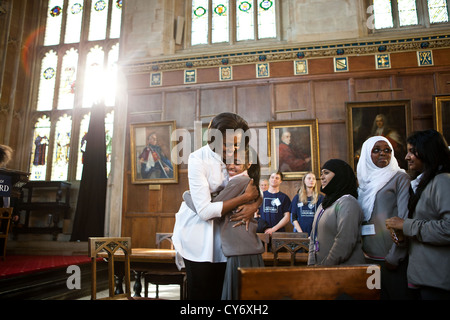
[{"x": 22, "y": 264}]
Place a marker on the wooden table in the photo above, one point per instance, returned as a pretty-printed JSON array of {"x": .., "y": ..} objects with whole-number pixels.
[
  {"x": 141, "y": 261},
  {"x": 144, "y": 259}
]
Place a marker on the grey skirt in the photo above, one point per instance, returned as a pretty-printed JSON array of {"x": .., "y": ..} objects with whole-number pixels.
[{"x": 230, "y": 289}]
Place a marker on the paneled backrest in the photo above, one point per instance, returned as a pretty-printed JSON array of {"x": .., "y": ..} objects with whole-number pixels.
[
  {"x": 116, "y": 249},
  {"x": 290, "y": 241}
]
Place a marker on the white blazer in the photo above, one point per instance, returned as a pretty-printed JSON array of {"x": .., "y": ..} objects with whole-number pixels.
[{"x": 196, "y": 236}]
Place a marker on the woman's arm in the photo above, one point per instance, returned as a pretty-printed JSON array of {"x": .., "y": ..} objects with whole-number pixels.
[
  {"x": 250, "y": 194},
  {"x": 297, "y": 226},
  {"x": 349, "y": 217}
]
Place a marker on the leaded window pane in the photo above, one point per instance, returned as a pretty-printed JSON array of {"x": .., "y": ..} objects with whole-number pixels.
[
  {"x": 60, "y": 165},
  {"x": 437, "y": 10},
  {"x": 116, "y": 19},
  {"x": 54, "y": 21},
  {"x": 267, "y": 27},
  {"x": 220, "y": 21},
  {"x": 47, "y": 81},
  {"x": 407, "y": 12},
  {"x": 111, "y": 76},
  {"x": 84, "y": 127},
  {"x": 199, "y": 25},
  {"x": 382, "y": 11},
  {"x": 41, "y": 134},
  {"x": 68, "y": 80},
  {"x": 245, "y": 20},
  {"x": 99, "y": 20},
  {"x": 74, "y": 21},
  {"x": 94, "y": 81},
  {"x": 109, "y": 130}
]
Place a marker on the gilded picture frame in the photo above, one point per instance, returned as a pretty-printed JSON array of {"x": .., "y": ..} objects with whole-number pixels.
[
  {"x": 441, "y": 115},
  {"x": 293, "y": 147},
  {"x": 150, "y": 150},
  {"x": 391, "y": 119}
]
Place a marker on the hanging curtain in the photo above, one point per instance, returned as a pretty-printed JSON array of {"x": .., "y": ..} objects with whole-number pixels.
[{"x": 90, "y": 212}]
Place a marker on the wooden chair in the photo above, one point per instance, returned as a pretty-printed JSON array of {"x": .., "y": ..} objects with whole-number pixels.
[
  {"x": 165, "y": 277},
  {"x": 309, "y": 283},
  {"x": 5, "y": 221},
  {"x": 265, "y": 238},
  {"x": 293, "y": 242},
  {"x": 110, "y": 246}
]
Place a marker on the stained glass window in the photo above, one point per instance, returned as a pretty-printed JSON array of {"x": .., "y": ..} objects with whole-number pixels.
[
  {"x": 116, "y": 19},
  {"x": 41, "y": 134},
  {"x": 111, "y": 76},
  {"x": 109, "y": 130},
  {"x": 54, "y": 21},
  {"x": 47, "y": 81},
  {"x": 200, "y": 20},
  {"x": 245, "y": 20},
  {"x": 60, "y": 165},
  {"x": 382, "y": 10},
  {"x": 84, "y": 127},
  {"x": 220, "y": 21},
  {"x": 438, "y": 11},
  {"x": 266, "y": 19},
  {"x": 94, "y": 83},
  {"x": 74, "y": 21},
  {"x": 68, "y": 80},
  {"x": 73, "y": 75},
  {"x": 407, "y": 12},
  {"x": 99, "y": 20}
]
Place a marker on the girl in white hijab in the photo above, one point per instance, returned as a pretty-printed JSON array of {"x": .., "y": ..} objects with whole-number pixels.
[
  {"x": 383, "y": 193},
  {"x": 372, "y": 178}
]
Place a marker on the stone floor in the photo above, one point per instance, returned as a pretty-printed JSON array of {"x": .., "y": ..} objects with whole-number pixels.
[{"x": 167, "y": 292}]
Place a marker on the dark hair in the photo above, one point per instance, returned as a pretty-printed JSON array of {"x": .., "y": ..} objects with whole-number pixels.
[
  {"x": 254, "y": 171},
  {"x": 225, "y": 121},
  {"x": 5, "y": 154},
  {"x": 432, "y": 149}
]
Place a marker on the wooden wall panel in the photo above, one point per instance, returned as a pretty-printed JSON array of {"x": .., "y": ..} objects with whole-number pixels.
[
  {"x": 144, "y": 102},
  {"x": 255, "y": 103},
  {"x": 442, "y": 83},
  {"x": 333, "y": 141},
  {"x": 294, "y": 96},
  {"x": 217, "y": 100},
  {"x": 180, "y": 106},
  {"x": 373, "y": 89},
  {"x": 330, "y": 98}
]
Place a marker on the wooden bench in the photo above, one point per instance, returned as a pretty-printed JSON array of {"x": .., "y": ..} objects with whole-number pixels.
[
  {"x": 292, "y": 242},
  {"x": 308, "y": 283}
]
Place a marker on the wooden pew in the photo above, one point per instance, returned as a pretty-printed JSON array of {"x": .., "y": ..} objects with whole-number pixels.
[
  {"x": 309, "y": 283},
  {"x": 292, "y": 242}
]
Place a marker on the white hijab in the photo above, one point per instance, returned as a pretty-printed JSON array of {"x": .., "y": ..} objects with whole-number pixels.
[{"x": 372, "y": 178}]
